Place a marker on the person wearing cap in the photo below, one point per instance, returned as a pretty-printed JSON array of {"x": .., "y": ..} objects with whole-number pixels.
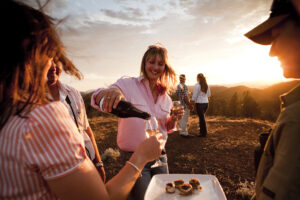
[
  {"x": 278, "y": 174},
  {"x": 182, "y": 94}
]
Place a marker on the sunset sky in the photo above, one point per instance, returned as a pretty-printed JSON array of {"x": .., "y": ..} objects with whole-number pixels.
[{"x": 106, "y": 39}]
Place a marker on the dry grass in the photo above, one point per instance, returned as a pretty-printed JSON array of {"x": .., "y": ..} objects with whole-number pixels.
[
  {"x": 226, "y": 152},
  {"x": 110, "y": 153},
  {"x": 245, "y": 190}
]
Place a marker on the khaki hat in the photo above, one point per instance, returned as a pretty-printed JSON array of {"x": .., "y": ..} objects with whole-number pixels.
[{"x": 280, "y": 10}]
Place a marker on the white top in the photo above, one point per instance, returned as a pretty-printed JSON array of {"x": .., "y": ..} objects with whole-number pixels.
[{"x": 199, "y": 96}]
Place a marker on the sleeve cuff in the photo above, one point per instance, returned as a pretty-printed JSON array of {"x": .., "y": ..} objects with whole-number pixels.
[{"x": 93, "y": 98}]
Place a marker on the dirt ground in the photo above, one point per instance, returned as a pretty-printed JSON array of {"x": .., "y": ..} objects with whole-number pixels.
[{"x": 226, "y": 152}]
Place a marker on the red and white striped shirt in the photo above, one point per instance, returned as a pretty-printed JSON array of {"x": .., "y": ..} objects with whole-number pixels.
[{"x": 44, "y": 146}]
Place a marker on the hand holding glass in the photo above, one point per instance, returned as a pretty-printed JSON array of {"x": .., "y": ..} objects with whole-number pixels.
[
  {"x": 176, "y": 106},
  {"x": 151, "y": 128}
]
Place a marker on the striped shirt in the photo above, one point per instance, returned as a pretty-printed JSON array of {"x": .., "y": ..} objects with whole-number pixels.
[{"x": 38, "y": 148}]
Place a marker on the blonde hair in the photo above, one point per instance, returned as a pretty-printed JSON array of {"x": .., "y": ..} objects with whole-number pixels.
[{"x": 168, "y": 77}]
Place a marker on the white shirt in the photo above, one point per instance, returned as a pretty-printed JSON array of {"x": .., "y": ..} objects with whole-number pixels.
[
  {"x": 78, "y": 106},
  {"x": 199, "y": 96}
]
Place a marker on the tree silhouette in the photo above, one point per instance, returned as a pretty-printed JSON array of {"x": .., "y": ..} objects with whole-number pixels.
[
  {"x": 233, "y": 106},
  {"x": 211, "y": 108},
  {"x": 249, "y": 106}
]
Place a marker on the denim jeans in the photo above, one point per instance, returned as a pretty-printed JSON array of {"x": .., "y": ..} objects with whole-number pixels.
[
  {"x": 139, "y": 189},
  {"x": 201, "y": 109}
]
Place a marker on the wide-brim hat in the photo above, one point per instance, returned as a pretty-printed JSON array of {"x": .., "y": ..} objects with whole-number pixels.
[{"x": 280, "y": 11}]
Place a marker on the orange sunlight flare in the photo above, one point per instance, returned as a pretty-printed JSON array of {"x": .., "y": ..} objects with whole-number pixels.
[{"x": 253, "y": 65}]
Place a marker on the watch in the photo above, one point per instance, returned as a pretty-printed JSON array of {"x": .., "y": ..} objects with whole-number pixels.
[{"x": 99, "y": 164}]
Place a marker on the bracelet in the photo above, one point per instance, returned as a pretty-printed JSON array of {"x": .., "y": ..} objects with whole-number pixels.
[{"x": 135, "y": 167}]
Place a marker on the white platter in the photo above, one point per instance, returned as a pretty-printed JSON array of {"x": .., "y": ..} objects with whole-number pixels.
[{"x": 211, "y": 188}]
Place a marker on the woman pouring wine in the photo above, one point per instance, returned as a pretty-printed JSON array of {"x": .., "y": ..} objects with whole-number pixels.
[{"x": 149, "y": 94}]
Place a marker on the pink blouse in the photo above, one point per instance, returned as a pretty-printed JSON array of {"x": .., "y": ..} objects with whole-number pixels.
[{"x": 131, "y": 131}]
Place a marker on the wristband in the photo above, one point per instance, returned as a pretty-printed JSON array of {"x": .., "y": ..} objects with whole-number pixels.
[
  {"x": 99, "y": 164},
  {"x": 135, "y": 167}
]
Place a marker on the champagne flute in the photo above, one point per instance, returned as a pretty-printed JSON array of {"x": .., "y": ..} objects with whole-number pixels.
[
  {"x": 151, "y": 128},
  {"x": 176, "y": 106}
]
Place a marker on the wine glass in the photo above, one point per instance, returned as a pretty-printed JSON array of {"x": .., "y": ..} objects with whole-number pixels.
[
  {"x": 176, "y": 106},
  {"x": 151, "y": 128}
]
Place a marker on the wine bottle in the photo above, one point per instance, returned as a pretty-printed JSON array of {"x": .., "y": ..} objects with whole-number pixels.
[{"x": 125, "y": 110}]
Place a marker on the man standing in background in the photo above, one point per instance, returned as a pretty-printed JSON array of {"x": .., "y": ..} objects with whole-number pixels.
[
  {"x": 74, "y": 103},
  {"x": 182, "y": 94},
  {"x": 278, "y": 174}
]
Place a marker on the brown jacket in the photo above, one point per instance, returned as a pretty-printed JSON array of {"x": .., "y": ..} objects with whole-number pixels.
[{"x": 278, "y": 175}]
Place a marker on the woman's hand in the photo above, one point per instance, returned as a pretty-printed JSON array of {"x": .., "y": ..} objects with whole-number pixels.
[
  {"x": 191, "y": 106},
  {"x": 177, "y": 114},
  {"x": 150, "y": 149},
  {"x": 112, "y": 97}
]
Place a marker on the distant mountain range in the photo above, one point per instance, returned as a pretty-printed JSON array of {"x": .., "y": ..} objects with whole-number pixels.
[
  {"x": 273, "y": 91},
  {"x": 267, "y": 98}
]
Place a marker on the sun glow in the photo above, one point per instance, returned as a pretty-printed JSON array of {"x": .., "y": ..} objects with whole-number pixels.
[
  {"x": 252, "y": 67},
  {"x": 260, "y": 66}
]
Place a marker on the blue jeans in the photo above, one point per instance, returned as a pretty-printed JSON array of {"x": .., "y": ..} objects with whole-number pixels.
[
  {"x": 139, "y": 189},
  {"x": 201, "y": 110}
]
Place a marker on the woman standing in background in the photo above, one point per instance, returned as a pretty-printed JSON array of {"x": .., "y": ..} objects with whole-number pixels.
[{"x": 200, "y": 97}]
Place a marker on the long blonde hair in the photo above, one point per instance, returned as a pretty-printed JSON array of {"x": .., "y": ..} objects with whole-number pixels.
[{"x": 168, "y": 78}]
